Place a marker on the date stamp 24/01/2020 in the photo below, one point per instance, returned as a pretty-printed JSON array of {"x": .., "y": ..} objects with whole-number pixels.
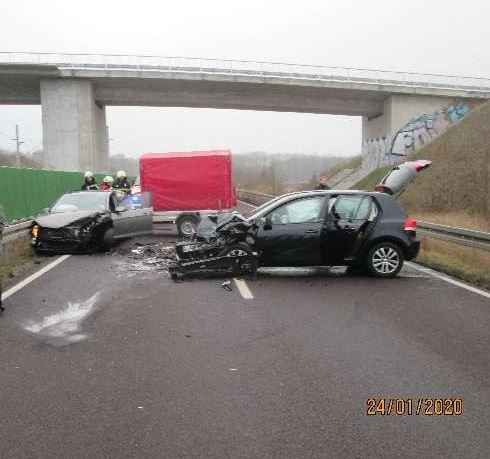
[{"x": 403, "y": 406}]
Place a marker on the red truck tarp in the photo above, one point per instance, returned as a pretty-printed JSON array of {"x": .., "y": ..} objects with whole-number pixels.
[{"x": 193, "y": 180}]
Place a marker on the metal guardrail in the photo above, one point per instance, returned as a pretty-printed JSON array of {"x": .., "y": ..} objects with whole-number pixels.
[
  {"x": 13, "y": 232},
  {"x": 253, "y": 197},
  {"x": 462, "y": 236},
  {"x": 250, "y": 68}
]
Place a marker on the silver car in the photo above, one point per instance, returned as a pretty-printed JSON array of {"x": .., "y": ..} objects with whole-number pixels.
[{"x": 85, "y": 221}]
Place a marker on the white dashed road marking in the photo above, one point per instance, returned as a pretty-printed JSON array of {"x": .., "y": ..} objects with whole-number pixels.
[
  {"x": 34, "y": 276},
  {"x": 243, "y": 289}
]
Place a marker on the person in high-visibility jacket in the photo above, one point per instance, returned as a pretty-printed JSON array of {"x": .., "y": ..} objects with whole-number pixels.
[{"x": 106, "y": 184}]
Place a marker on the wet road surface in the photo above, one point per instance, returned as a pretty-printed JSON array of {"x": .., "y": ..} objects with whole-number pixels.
[{"x": 102, "y": 359}]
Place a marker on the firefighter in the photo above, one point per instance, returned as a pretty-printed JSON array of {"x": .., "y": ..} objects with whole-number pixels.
[
  {"x": 89, "y": 183},
  {"x": 106, "y": 184},
  {"x": 122, "y": 183}
]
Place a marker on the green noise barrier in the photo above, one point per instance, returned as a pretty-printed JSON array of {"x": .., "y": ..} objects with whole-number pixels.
[{"x": 25, "y": 192}]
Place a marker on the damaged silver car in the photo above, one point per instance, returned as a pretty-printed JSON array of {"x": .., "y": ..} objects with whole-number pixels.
[{"x": 86, "y": 221}]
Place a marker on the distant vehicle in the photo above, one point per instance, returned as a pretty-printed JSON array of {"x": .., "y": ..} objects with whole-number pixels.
[
  {"x": 85, "y": 221},
  {"x": 188, "y": 185},
  {"x": 366, "y": 231}
]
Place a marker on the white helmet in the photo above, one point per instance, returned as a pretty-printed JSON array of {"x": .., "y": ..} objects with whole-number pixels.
[
  {"x": 88, "y": 174},
  {"x": 108, "y": 179},
  {"x": 121, "y": 174}
]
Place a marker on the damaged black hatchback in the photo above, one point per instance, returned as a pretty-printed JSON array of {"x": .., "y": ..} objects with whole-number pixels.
[
  {"x": 85, "y": 221},
  {"x": 366, "y": 231}
]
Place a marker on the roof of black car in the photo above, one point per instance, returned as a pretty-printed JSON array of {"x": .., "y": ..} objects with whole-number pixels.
[{"x": 332, "y": 191}]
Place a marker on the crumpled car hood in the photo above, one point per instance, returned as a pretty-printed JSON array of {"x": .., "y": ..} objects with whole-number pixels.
[
  {"x": 216, "y": 223},
  {"x": 58, "y": 220}
]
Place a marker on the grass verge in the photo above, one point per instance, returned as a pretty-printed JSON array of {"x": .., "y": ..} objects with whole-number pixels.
[
  {"x": 471, "y": 265},
  {"x": 372, "y": 179}
]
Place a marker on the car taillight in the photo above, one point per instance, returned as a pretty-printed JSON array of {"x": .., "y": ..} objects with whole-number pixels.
[
  {"x": 422, "y": 164},
  {"x": 382, "y": 189},
  {"x": 410, "y": 224}
]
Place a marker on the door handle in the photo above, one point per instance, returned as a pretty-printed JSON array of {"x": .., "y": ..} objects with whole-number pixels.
[{"x": 311, "y": 231}]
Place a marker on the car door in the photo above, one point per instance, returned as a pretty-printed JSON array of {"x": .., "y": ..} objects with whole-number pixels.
[
  {"x": 291, "y": 233},
  {"x": 348, "y": 219},
  {"x": 132, "y": 216}
]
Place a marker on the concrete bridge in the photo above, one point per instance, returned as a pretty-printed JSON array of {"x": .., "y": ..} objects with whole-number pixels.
[{"x": 75, "y": 89}]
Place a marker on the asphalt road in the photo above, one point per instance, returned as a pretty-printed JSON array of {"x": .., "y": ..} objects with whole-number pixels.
[{"x": 103, "y": 357}]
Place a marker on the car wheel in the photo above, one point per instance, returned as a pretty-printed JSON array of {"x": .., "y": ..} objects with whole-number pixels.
[
  {"x": 245, "y": 263},
  {"x": 385, "y": 260},
  {"x": 187, "y": 225}
]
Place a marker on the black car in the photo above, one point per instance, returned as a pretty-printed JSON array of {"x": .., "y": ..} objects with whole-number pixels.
[
  {"x": 367, "y": 231},
  {"x": 84, "y": 221}
]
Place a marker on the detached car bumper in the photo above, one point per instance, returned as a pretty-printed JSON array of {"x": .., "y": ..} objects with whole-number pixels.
[{"x": 58, "y": 247}]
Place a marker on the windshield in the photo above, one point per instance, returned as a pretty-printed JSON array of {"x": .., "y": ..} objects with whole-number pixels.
[
  {"x": 251, "y": 214},
  {"x": 91, "y": 201}
]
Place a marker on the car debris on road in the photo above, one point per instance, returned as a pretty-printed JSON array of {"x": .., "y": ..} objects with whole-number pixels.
[
  {"x": 144, "y": 258},
  {"x": 227, "y": 286}
]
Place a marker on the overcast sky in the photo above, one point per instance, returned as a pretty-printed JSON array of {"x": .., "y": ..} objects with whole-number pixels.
[{"x": 429, "y": 36}]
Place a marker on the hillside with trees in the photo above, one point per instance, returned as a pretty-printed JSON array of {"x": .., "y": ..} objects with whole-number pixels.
[{"x": 279, "y": 172}]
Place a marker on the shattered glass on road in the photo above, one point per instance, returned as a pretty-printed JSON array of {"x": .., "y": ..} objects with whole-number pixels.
[{"x": 144, "y": 258}]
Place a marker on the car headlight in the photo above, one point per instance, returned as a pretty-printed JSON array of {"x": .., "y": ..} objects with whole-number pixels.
[
  {"x": 35, "y": 231},
  {"x": 190, "y": 248}
]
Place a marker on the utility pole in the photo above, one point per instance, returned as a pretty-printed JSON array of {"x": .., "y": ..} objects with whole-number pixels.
[{"x": 18, "y": 143}]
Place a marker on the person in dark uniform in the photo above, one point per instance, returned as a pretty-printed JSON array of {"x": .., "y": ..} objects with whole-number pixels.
[
  {"x": 322, "y": 185},
  {"x": 122, "y": 183},
  {"x": 89, "y": 184}
]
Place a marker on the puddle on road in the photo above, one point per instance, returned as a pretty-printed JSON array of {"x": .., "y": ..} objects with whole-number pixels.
[{"x": 64, "y": 327}]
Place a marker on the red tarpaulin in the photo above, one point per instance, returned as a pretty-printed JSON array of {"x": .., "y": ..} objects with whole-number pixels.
[{"x": 194, "y": 180}]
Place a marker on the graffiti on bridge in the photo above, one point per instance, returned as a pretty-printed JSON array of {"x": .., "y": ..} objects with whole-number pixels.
[{"x": 416, "y": 133}]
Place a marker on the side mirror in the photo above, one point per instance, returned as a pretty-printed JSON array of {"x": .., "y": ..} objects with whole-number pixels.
[
  {"x": 46, "y": 210},
  {"x": 267, "y": 223},
  {"x": 120, "y": 209}
]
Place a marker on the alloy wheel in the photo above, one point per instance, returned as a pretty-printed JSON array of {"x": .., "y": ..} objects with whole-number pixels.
[{"x": 385, "y": 260}]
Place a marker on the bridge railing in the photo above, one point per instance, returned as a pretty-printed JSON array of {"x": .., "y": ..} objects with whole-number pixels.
[{"x": 250, "y": 68}]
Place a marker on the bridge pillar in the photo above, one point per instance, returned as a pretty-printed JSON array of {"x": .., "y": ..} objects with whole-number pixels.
[
  {"x": 74, "y": 126},
  {"x": 409, "y": 122},
  {"x": 398, "y": 110}
]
